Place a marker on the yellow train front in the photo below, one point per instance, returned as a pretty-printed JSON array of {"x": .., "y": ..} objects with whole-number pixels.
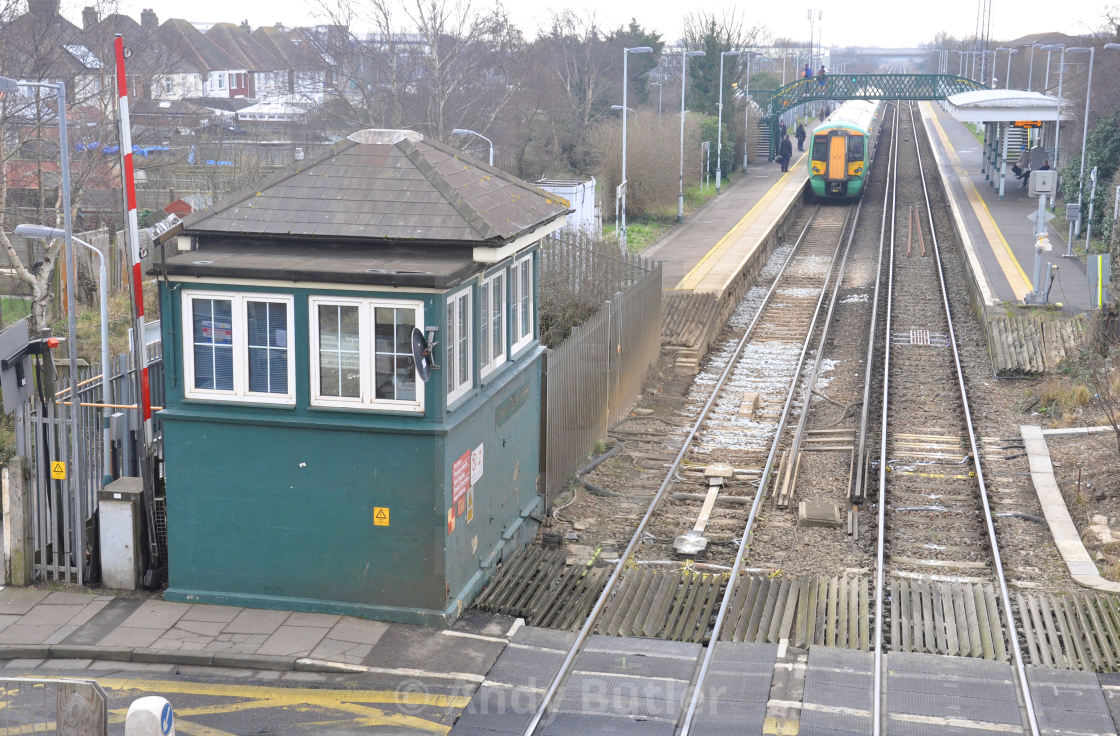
[{"x": 841, "y": 150}]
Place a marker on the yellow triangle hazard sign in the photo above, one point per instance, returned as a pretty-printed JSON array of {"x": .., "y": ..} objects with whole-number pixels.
[
  {"x": 381, "y": 516},
  {"x": 58, "y": 470}
]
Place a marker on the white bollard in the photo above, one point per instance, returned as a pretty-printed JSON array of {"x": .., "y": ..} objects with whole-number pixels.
[{"x": 150, "y": 716}]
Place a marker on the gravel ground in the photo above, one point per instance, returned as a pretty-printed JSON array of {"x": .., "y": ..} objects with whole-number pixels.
[{"x": 652, "y": 435}]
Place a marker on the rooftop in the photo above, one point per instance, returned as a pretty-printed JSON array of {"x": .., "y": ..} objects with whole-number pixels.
[{"x": 387, "y": 187}]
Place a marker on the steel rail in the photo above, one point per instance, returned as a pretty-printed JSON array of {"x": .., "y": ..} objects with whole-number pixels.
[
  {"x": 763, "y": 482},
  {"x": 670, "y": 476},
  {"x": 997, "y": 560},
  {"x": 877, "y": 667}
]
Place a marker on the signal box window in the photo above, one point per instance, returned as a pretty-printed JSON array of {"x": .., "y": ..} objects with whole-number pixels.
[
  {"x": 458, "y": 352},
  {"x": 361, "y": 354},
  {"x": 521, "y": 303},
  {"x": 492, "y": 322},
  {"x": 237, "y": 348}
]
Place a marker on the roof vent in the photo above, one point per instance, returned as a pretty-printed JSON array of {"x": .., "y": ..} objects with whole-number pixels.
[{"x": 385, "y": 136}]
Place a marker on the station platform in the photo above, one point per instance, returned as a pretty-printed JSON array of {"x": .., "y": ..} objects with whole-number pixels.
[
  {"x": 728, "y": 227},
  {"x": 999, "y": 236}
]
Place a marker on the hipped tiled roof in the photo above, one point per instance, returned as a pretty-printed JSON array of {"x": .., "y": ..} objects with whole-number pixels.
[{"x": 387, "y": 185}]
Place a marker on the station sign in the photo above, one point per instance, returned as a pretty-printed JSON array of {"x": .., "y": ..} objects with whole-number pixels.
[{"x": 1027, "y": 124}]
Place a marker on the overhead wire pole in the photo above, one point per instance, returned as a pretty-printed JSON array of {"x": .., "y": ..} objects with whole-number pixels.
[{"x": 140, "y": 369}]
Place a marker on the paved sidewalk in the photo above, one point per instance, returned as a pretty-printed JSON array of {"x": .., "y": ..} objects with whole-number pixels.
[{"x": 73, "y": 623}]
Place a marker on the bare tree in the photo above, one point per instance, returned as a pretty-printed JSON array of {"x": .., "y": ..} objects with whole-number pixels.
[{"x": 41, "y": 46}]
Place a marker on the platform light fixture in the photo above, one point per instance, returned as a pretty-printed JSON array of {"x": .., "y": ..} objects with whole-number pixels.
[
  {"x": 719, "y": 120},
  {"x": 1010, "y": 52},
  {"x": 625, "y": 88},
  {"x": 1058, "y": 126},
  {"x": 465, "y": 132},
  {"x": 684, "y": 76},
  {"x": 1076, "y": 225}
]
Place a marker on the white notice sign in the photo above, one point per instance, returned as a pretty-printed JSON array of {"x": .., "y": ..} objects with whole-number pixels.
[{"x": 476, "y": 464}]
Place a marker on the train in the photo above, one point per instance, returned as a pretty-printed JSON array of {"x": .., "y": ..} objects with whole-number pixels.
[{"x": 841, "y": 150}]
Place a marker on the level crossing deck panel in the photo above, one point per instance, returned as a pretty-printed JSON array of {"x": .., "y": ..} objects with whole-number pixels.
[{"x": 736, "y": 689}]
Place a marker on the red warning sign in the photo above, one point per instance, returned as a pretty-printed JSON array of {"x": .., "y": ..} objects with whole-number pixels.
[{"x": 460, "y": 476}]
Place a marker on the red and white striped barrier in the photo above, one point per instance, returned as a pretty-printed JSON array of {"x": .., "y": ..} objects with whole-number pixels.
[{"x": 132, "y": 232}]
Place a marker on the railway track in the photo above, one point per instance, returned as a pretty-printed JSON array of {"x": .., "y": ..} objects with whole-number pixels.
[
  {"x": 920, "y": 581},
  {"x": 730, "y": 457},
  {"x": 932, "y": 498}
]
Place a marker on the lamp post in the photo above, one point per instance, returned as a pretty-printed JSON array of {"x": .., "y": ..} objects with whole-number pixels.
[
  {"x": 625, "y": 86},
  {"x": 684, "y": 76},
  {"x": 1058, "y": 124},
  {"x": 1010, "y": 52},
  {"x": 747, "y": 107},
  {"x": 1030, "y": 69},
  {"x": 1076, "y": 225},
  {"x": 465, "y": 131},
  {"x": 659, "y": 86},
  {"x": 48, "y": 233},
  {"x": 11, "y": 85},
  {"x": 719, "y": 120}
]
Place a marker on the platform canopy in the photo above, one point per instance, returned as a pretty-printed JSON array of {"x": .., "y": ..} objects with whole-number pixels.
[{"x": 1002, "y": 105}]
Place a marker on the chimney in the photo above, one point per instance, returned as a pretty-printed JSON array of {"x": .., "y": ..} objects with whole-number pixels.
[
  {"x": 245, "y": 26},
  {"x": 89, "y": 17},
  {"x": 148, "y": 21}
]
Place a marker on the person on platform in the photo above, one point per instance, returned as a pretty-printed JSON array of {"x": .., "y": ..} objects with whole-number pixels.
[
  {"x": 1023, "y": 164},
  {"x": 785, "y": 152},
  {"x": 800, "y": 134},
  {"x": 782, "y": 129}
]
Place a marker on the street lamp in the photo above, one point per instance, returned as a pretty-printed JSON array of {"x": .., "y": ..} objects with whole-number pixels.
[
  {"x": 719, "y": 120},
  {"x": 49, "y": 233},
  {"x": 464, "y": 131},
  {"x": 625, "y": 87},
  {"x": 1030, "y": 69},
  {"x": 747, "y": 106},
  {"x": 11, "y": 85},
  {"x": 1084, "y": 133},
  {"x": 684, "y": 68},
  {"x": 1010, "y": 52},
  {"x": 659, "y": 85},
  {"x": 1058, "y": 126}
]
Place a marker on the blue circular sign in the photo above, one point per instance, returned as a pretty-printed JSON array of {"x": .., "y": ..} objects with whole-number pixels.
[{"x": 166, "y": 719}]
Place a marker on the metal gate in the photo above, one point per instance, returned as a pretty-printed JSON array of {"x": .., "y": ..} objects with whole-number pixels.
[{"x": 62, "y": 490}]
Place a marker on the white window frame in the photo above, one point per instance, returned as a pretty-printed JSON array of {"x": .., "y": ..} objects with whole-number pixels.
[
  {"x": 366, "y": 323},
  {"x": 519, "y": 341},
  {"x": 489, "y": 363},
  {"x": 453, "y": 356},
  {"x": 239, "y": 324}
]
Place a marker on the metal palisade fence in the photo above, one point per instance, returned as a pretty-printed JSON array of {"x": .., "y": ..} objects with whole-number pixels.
[
  {"x": 595, "y": 374},
  {"x": 63, "y": 502}
]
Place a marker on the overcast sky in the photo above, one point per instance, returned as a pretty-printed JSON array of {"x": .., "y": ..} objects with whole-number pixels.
[{"x": 872, "y": 25}]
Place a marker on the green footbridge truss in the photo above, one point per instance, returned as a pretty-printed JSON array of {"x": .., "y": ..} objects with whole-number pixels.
[{"x": 818, "y": 92}]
